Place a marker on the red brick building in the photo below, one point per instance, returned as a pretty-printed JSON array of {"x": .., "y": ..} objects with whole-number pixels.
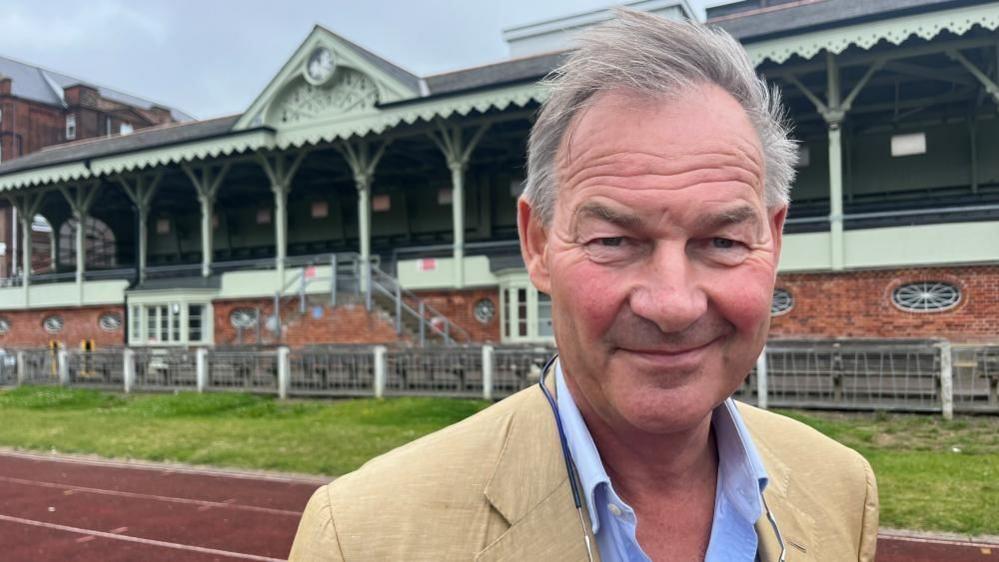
[{"x": 41, "y": 108}]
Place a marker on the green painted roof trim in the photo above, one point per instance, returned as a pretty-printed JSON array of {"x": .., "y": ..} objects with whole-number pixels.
[
  {"x": 866, "y": 35},
  {"x": 235, "y": 143},
  {"x": 390, "y": 88},
  {"x": 515, "y": 96}
]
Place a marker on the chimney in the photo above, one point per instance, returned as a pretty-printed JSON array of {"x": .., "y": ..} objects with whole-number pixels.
[
  {"x": 81, "y": 95},
  {"x": 5, "y": 85},
  {"x": 159, "y": 114}
]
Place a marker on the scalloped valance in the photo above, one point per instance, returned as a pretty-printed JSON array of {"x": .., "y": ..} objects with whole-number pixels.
[{"x": 866, "y": 35}]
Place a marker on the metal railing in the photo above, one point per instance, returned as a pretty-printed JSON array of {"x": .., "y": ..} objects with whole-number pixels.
[
  {"x": 340, "y": 371},
  {"x": 516, "y": 368},
  {"x": 165, "y": 369},
  {"x": 976, "y": 378},
  {"x": 854, "y": 375},
  {"x": 448, "y": 371},
  {"x": 926, "y": 376},
  {"x": 247, "y": 371},
  {"x": 96, "y": 369}
]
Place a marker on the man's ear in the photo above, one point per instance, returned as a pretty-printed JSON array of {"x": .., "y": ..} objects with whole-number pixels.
[
  {"x": 533, "y": 245},
  {"x": 777, "y": 217}
]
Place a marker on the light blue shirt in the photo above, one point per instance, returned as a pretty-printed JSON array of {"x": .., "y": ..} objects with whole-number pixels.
[{"x": 741, "y": 480}]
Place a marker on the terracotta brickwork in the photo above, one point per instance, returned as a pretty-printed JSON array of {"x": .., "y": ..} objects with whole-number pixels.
[
  {"x": 459, "y": 306},
  {"x": 345, "y": 324},
  {"x": 858, "y": 304},
  {"x": 78, "y": 324}
]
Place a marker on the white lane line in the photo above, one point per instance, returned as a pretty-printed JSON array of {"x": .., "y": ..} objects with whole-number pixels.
[
  {"x": 167, "y": 468},
  {"x": 139, "y": 540},
  {"x": 204, "y": 504},
  {"x": 947, "y": 542}
]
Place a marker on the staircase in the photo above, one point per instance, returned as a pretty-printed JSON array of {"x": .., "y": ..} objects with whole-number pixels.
[{"x": 413, "y": 318}]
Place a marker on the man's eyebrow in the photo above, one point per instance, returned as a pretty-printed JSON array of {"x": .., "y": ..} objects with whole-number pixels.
[
  {"x": 730, "y": 217},
  {"x": 600, "y": 212}
]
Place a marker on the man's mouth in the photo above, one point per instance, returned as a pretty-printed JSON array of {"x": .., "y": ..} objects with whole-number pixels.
[{"x": 671, "y": 356}]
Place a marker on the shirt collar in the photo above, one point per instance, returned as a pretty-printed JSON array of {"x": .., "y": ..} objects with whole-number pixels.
[{"x": 742, "y": 476}]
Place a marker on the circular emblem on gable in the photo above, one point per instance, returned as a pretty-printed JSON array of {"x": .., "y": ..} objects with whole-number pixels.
[
  {"x": 4, "y": 326},
  {"x": 484, "y": 311},
  {"x": 320, "y": 66},
  {"x": 110, "y": 321},
  {"x": 243, "y": 318},
  {"x": 52, "y": 324}
]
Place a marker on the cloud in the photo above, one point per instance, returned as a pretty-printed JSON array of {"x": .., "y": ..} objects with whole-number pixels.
[{"x": 75, "y": 25}]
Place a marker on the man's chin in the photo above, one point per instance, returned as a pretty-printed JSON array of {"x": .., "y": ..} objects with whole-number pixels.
[{"x": 663, "y": 411}]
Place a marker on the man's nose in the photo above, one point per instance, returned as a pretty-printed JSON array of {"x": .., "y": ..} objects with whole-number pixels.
[{"x": 668, "y": 292}]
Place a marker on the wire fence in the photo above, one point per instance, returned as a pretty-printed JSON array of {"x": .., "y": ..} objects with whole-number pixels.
[
  {"x": 917, "y": 376},
  {"x": 976, "y": 378},
  {"x": 854, "y": 375},
  {"x": 343, "y": 371},
  {"x": 96, "y": 369},
  {"x": 518, "y": 368},
  {"x": 247, "y": 371},
  {"x": 452, "y": 371},
  {"x": 165, "y": 369}
]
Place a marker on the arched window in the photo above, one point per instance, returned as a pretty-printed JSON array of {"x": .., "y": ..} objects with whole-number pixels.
[{"x": 98, "y": 241}]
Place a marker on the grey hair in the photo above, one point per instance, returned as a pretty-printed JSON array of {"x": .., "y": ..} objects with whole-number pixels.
[{"x": 656, "y": 57}]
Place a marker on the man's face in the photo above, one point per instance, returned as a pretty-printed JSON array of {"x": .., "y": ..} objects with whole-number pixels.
[{"x": 660, "y": 258}]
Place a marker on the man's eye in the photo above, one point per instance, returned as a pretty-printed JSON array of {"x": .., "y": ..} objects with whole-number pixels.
[
  {"x": 613, "y": 242},
  {"x": 723, "y": 243}
]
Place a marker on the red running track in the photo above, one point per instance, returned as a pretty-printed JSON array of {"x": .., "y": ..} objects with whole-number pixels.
[
  {"x": 67, "y": 509},
  {"x": 56, "y": 509}
]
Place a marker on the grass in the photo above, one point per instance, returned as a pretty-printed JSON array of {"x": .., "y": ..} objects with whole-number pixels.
[
  {"x": 932, "y": 474},
  {"x": 235, "y": 430}
]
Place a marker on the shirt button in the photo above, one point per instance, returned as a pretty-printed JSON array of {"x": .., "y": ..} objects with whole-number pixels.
[{"x": 614, "y": 509}]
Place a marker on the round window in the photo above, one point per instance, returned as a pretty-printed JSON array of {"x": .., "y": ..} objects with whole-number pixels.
[
  {"x": 485, "y": 311},
  {"x": 243, "y": 318},
  {"x": 52, "y": 324},
  {"x": 926, "y": 296},
  {"x": 782, "y": 303},
  {"x": 109, "y": 321}
]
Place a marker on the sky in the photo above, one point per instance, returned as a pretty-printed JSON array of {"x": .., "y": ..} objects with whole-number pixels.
[{"x": 212, "y": 57}]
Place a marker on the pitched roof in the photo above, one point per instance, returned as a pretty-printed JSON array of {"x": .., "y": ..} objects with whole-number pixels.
[
  {"x": 754, "y": 20},
  {"x": 513, "y": 70},
  {"x": 411, "y": 80},
  {"x": 45, "y": 86},
  {"x": 160, "y": 135}
]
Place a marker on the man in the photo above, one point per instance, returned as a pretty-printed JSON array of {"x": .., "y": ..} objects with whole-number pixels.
[{"x": 658, "y": 174}]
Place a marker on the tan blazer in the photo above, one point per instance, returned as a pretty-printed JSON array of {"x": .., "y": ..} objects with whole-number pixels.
[{"x": 494, "y": 487}]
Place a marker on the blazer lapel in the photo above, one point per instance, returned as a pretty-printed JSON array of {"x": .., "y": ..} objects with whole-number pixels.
[
  {"x": 796, "y": 527},
  {"x": 530, "y": 489}
]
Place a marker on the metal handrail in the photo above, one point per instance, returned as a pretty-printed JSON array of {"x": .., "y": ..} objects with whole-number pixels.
[{"x": 407, "y": 293}]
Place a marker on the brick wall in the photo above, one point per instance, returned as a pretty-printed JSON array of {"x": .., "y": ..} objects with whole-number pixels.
[
  {"x": 858, "y": 304},
  {"x": 345, "y": 324},
  {"x": 78, "y": 324},
  {"x": 459, "y": 307}
]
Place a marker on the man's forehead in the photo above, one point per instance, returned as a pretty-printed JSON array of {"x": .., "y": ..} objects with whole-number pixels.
[{"x": 681, "y": 117}]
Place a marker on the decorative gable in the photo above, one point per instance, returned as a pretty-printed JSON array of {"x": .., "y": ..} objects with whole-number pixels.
[{"x": 326, "y": 80}]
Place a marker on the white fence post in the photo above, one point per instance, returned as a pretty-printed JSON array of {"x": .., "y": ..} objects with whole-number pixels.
[
  {"x": 201, "y": 362},
  {"x": 128, "y": 368},
  {"x": 22, "y": 368},
  {"x": 761, "y": 379},
  {"x": 380, "y": 370},
  {"x": 946, "y": 381},
  {"x": 488, "y": 366},
  {"x": 284, "y": 371},
  {"x": 63, "y": 358}
]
